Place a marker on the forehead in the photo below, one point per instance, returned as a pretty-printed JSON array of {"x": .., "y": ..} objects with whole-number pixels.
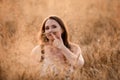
[{"x": 50, "y": 22}]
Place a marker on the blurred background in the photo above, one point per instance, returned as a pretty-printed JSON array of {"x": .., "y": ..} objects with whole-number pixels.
[{"x": 93, "y": 24}]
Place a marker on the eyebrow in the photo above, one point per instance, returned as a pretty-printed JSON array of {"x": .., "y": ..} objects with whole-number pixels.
[
  {"x": 51, "y": 25},
  {"x": 54, "y": 25}
]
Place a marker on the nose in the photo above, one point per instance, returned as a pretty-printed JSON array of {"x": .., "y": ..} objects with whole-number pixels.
[{"x": 49, "y": 31}]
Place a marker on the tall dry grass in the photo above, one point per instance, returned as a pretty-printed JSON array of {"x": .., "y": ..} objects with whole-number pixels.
[{"x": 94, "y": 25}]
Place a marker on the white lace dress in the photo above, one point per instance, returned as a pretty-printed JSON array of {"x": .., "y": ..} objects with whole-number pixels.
[{"x": 52, "y": 66}]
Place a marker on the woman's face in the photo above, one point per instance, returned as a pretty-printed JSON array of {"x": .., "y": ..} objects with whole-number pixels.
[{"x": 51, "y": 26}]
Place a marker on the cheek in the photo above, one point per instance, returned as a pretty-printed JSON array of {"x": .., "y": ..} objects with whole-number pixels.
[
  {"x": 58, "y": 34},
  {"x": 47, "y": 35},
  {"x": 46, "y": 31},
  {"x": 60, "y": 31}
]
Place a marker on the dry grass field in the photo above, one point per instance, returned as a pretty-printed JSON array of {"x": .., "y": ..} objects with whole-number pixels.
[{"x": 93, "y": 24}]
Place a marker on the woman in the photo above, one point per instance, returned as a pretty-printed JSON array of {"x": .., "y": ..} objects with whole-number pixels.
[{"x": 56, "y": 54}]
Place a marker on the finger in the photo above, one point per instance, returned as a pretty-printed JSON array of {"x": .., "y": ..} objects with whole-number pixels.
[
  {"x": 53, "y": 36},
  {"x": 60, "y": 37}
]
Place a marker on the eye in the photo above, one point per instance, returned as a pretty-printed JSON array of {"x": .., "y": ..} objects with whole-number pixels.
[
  {"x": 46, "y": 28},
  {"x": 54, "y": 26}
]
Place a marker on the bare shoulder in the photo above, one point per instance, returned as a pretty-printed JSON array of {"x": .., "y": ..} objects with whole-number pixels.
[
  {"x": 75, "y": 48},
  {"x": 36, "y": 49},
  {"x": 36, "y": 53}
]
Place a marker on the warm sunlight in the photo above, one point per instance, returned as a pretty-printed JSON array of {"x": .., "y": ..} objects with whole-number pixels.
[{"x": 92, "y": 24}]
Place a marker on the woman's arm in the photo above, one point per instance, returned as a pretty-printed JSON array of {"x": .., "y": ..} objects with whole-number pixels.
[{"x": 74, "y": 57}]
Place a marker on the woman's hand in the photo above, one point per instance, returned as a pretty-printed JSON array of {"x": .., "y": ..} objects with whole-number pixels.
[{"x": 58, "y": 42}]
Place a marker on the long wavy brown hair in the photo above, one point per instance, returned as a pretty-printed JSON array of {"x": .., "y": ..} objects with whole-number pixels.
[
  {"x": 44, "y": 39},
  {"x": 64, "y": 35}
]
